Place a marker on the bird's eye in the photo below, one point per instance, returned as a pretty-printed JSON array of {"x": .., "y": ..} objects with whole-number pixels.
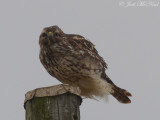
[
  {"x": 56, "y": 34},
  {"x": 44, "y": 35}
]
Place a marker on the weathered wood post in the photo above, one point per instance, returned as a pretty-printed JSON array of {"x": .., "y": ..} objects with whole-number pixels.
[{"x": 60, "y": 102}]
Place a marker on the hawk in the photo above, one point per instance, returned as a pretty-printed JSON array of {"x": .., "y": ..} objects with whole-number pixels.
[{"x": 73, "y": 60}]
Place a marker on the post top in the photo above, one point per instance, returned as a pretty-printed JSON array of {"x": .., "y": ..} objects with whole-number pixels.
[{"x": 51, "y": 91}]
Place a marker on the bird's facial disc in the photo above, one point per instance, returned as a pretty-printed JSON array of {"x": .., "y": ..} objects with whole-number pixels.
[{"x": 48, "y": 37}]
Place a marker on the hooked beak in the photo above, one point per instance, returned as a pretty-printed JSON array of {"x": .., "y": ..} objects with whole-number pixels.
[{"x": 50, "y": 35}]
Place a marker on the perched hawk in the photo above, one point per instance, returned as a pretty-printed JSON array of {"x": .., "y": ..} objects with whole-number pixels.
[{"x": 74, "y": 60}]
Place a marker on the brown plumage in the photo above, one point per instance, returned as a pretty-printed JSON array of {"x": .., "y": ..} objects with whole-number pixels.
[{"x": 74, "y": 60}]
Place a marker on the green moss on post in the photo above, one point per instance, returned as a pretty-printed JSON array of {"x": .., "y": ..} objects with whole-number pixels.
[{"x": 56, "y": 107}]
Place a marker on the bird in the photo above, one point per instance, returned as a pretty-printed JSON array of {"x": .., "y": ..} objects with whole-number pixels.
[{"x": 74, "y": 60}]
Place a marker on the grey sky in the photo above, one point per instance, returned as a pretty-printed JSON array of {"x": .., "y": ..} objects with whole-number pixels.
[{"x": 127, "y": 38}]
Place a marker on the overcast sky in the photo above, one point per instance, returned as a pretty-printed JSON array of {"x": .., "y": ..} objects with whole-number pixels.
[{"x": 128, "y": 38}]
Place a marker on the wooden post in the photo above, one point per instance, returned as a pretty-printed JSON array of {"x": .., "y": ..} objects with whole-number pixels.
[{"x": 59, "y": 102}]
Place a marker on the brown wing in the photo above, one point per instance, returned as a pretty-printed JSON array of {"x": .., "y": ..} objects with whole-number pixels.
[{"x": 84, "y": 47}]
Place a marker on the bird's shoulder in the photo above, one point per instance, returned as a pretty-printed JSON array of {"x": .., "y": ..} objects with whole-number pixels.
[{"x": 84, "y": 47}]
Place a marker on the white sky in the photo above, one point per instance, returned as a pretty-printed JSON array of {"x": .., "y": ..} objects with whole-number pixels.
[{"x": 127, "y": 38}]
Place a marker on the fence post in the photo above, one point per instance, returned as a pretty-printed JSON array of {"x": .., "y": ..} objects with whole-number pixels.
[{"x": 60, "y": 102}]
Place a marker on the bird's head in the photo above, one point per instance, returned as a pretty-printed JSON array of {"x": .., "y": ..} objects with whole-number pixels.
[{"x": 50, "y": 36}]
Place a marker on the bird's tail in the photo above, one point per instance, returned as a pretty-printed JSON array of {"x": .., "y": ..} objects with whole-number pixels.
[{"x": 120, "y": 94}]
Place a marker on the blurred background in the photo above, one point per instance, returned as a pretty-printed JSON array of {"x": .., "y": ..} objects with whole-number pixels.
[{"x": 127, "y": 37}]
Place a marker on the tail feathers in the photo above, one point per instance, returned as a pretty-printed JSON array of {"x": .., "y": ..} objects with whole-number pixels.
[
  {"x": 125, "y": 92},
  {"x": 121, "y": 94}
]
